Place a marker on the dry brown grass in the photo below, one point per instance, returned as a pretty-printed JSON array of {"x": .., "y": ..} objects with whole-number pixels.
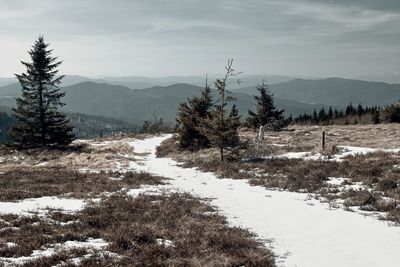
[
  {"x": 24, "y": 183},
  {"x": 302, "y": 138},
  {"x": 199, "y": 236},
  {"x": 106, "y": 155}
]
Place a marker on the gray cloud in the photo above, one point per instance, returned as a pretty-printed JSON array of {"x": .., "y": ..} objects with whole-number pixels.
[
  {"x": 389, "y": 5},
  {"x": 177, "y": 37}
]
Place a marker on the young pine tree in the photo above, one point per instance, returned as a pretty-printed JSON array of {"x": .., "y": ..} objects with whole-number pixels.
[
  {"x": 221, "y": 127},
  {"x": 38, "y": 121},
  {"x": 266, "y": 112},
  {"x": 190, "y": 116}
]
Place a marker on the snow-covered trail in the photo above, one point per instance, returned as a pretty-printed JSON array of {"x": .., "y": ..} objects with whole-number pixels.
[{"x": 304, "y": 232}]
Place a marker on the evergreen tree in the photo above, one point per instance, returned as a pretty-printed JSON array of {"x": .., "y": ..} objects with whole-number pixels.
[
  {"x": 391, "y": 113},
  {"x": 315, "y": 117},
  {"x": 336, "y": 114},
  {"x": 330, "y": 114},
  {"x": 376, "y": 117},
  {"x": 349, "y": 109},
  {"x": 222, "y": 128},
  {"x": 290, "y": 119},
  {"x": 39, "y": 123},
  {"x": 189, "y": 118},
  {"x": 266, "y": 112},
  {"x": 233, "y": 127},
  {"x": 361, "y": 110},
  {"x": 322, "y": 115}
]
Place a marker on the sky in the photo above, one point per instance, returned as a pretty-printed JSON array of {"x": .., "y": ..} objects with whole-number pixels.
[{"x": 97, "y": 38}]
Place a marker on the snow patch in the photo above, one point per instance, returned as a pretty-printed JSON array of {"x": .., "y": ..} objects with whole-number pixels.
[
  {"x": 91, "y": 243},
  {"x": 41, "y": 205},
  {"x": 345, "y": 184},
  {"x": 151, "y": 190},
  {"x": 10, "y": 244},
  {"x": 165, "y": 242},
  {"x": 344, "y": 151},
  {"x": 353, "y": 150}
]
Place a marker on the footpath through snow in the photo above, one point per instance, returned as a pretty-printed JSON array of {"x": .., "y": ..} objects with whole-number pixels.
[{"x": 303, "y": 231}]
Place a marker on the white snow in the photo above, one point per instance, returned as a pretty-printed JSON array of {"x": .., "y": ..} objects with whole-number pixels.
[
  {"x": 336, "y": 181},
  {"x": 150, "y": 190},
  {"x": 353, "y": 150},
  {"x": 40, "y": 205},
  {"x": 44, "y": 163},
  {"x": 339, "y": 183},
  {"x": 164, "y": 242},
  {"x": 304, "y": 231},
  {"x": 344, "y": 151},
  {"x": 91, "y": 243},
  {"x": 279, "y": 145},
  {"x": 301, "y": 155},
  {"x": 10, "y": 244}
]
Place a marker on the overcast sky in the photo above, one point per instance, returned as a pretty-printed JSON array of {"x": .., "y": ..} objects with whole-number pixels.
[{"x": 193, "y": 37}]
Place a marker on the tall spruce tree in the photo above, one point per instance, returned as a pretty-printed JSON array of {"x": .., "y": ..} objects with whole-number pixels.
[
  {"x": 189, "y": 118},
  {"x": 39, "y": 123},
  {"x": 221, "y": 128},
  {"x": 266, "y": 112}
]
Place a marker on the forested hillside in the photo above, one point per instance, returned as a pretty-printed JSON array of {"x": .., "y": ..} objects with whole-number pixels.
[{"x": 86, "y": 126}]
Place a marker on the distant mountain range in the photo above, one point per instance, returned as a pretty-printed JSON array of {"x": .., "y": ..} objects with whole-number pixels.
[
  {"x": 334, "y": 92},
  {"x": 7, "y": 81},
  {"x": 138, "y": 82},
  {"x": 135, "y": 106}
]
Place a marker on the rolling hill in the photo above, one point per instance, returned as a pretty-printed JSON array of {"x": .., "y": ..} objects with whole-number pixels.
[
  {"x": 138, "y": 82},
  {"x": 334, "y": 92},
  {"x": 135, "y": 106}
]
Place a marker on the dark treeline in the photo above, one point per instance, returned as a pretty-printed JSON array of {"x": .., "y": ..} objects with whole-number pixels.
[
  {"x": 85, "y": 126},
  {"x": 350, "y": 115}
]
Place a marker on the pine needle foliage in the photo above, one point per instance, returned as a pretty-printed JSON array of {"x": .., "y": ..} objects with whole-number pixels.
[
  {"x": 189, "y": 118},
  {"x": 266, "y": 113},
  {"x": 221, "y": 127},
  {"x": 39, "y": 123}
]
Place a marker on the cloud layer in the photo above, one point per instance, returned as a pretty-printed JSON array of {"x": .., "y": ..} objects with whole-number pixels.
[{"x": 177, "y": 37}]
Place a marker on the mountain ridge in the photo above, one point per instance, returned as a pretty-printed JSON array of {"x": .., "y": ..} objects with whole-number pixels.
[{"x": 135, "y": 106}]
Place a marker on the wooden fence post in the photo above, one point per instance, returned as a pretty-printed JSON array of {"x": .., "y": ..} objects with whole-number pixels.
[{"x": 323, "y": 140}]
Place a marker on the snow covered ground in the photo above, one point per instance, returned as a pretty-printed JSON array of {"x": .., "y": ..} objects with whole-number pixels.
[
  {"x": 96, "y": 244},
  {"x": 344, "y": 151},
  {"x": 40, "y": 205},
  {"x": 303, "y": 231}
]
